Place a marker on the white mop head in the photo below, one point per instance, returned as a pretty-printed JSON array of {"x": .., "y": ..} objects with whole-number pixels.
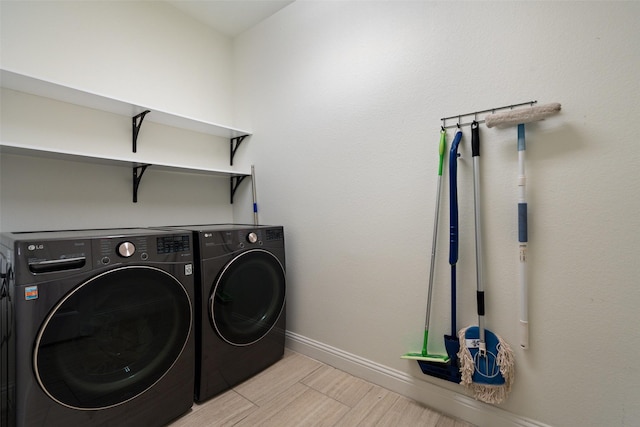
[
  {"x": 524, "y": 115},
  {"x": 487, "y": 393}
]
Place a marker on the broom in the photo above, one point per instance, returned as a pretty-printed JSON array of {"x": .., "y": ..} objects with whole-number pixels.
[{"x": 486, "y": 361}]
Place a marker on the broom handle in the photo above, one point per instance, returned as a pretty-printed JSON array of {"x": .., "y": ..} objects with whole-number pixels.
[{"x": 522, "y": 240}]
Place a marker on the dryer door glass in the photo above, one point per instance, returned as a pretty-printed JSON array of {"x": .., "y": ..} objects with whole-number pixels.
[
  {"x": 112, "y": 337},
  {"x": 248, "y": 297}
]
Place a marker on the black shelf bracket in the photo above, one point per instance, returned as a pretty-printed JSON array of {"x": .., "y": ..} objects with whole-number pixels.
[
  {"x": 138, "y": 171},
  {"x": 235, "y": 182},
  {"x": 234, "y": 143},
  {"x": 137, "y": 122}
]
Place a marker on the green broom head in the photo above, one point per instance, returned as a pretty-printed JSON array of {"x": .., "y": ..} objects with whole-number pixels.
[
  {"x": 424, "y": 355},
  {"x": 487, "y": 374}
]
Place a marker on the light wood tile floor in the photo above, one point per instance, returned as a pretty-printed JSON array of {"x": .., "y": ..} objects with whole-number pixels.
[{"x": 300, "y": 391}]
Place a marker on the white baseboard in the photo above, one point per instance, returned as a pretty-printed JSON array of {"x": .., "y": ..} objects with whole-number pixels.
[{"x": 441, "y": 399}]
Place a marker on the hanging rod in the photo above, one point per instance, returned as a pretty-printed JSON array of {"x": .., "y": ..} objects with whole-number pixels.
[{"x": 475, "y": 115}]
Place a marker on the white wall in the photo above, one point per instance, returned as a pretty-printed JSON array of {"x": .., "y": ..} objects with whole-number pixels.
[
  {"x": 146, "y": 53},
  {"x": 345, "y": 99}
]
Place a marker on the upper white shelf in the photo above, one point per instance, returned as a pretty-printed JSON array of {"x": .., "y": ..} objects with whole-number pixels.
[{"x": 34, "y": 86}]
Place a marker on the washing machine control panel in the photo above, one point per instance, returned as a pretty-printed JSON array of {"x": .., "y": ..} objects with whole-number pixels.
[
  {"x": 174, "y": 244},
  {"x": 274, "y": 234},
  {"x": 126, "y": 249}
]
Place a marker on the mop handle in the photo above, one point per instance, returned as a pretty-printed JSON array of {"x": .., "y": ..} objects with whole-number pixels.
[
  {"x": 523, "y": 238},
  {"x": 475, "y": 149}
]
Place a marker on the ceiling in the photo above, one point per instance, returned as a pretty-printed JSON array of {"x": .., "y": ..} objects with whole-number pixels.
[{"x": 230, "y": 17}]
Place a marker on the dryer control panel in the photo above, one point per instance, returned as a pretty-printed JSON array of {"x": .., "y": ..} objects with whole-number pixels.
[{"x": 216, "y": 240}]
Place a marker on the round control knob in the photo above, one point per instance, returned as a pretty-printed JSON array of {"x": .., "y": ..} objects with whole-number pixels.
[
  {"x": 252, "y": 237},
  {"x": 126, "y": 249}
]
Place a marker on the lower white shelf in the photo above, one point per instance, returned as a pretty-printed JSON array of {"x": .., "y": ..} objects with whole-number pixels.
[{"x": 137, "y": 165}]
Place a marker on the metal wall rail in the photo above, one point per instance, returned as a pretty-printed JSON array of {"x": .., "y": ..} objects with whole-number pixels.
[{"x": 459, "y": 123}]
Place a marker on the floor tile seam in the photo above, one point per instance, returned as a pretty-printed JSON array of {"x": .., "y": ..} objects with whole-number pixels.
[
  {"x": 246, "y": 413},
  {"x": 423, "y": 407},
  {"x": 308, "y": 387},
  {"x": 284, "y": 384},
  {"x": 395, "y": 397},
  {"x": 265, "y": 404},
  {"x": 360, "y": 424},
  {"x": 349, "y": 408},
  {"x": 254, "y": 405},
  {"x": 342, "y": 417},
  {"x": 302, "y": 379},
  {"x": 333, "y": 389},
  {"x": 351, "y": 404},
  {"x": 235, "y": 390},
  {"x": 298, "y": 396},
  {"x": 333, "y": 398}
]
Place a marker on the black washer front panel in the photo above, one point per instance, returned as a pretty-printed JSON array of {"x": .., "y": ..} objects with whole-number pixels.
[{"x": 112, "y": 337}]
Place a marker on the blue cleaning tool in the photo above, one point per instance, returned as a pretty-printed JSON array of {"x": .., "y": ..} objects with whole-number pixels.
[
  {"x": 451, "y": 342},
  {"x": 450, "y": 371}
]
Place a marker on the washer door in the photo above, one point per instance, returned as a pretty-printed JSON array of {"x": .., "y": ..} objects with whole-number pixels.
[
  {"x": 112, "y": 337},
  {"x": 248, "y": 297}
]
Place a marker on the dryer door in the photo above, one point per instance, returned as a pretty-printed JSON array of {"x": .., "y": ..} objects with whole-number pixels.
[
  {"x": 248, "y": 297},
  {"x": 112, "y": 337}
]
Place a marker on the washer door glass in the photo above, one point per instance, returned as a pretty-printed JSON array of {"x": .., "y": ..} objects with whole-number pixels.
[
  {"x": 248, "y": 297},
  {"x": 112, "y": 337}
]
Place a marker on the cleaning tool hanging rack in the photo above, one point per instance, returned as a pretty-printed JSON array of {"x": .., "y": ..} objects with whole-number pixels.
[{"x": 459, "y": 123}]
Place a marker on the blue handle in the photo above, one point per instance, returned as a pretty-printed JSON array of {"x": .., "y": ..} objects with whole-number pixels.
[
  {"x": 522, "y": 206},
  {"x": 522, "y": 145},
  {"x": 453, "y": 199},
  {"x": 522, "y": 223}
]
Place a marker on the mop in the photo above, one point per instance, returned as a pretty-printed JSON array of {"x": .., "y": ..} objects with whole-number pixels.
[
  {"x": 424, "y": 355},
  {"x": 510, "y": 118},
  {"x": 486, "y": 361}
]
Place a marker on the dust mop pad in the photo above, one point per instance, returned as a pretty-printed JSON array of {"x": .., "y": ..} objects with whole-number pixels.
[
  {"x": 493, "y": 382},
  {"x": 524, "y": 115}
]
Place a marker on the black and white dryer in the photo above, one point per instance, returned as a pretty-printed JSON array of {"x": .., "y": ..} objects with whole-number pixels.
[
  {"x": 98, "y": 327},
  {"x": 240, "y": 303}
]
